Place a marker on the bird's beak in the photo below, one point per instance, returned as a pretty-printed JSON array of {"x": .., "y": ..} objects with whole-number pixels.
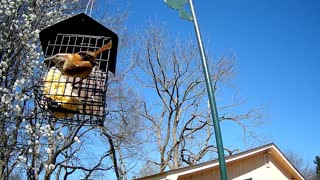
[{"x": 48, "y": 61}]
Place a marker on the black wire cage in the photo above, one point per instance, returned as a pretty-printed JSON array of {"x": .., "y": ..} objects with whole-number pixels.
[{"x": 74, "y": 100}]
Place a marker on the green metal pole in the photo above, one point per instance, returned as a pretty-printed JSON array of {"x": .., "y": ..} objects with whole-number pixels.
[{"x": 214, "y": 113}]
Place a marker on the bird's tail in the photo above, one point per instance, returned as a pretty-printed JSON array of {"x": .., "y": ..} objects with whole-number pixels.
[{"x": 103, "y": 48}]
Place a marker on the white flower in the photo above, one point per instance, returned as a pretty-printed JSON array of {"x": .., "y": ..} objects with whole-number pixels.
[
  {"x": 51, "y": 166},
  {"x": 18, "y": 109},
  {"x": 76, "y": 139},
  {"x": 32, "y": 17},
  {"x": 22, "y": 159},
  {"x": 29, "y": 129},
  {"x": 8, "y": 12},
  {"x": 60, "y": 136},
  {"x": 49, "y": 13}
]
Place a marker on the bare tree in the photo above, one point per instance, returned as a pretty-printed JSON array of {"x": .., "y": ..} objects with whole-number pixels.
[
  {"x": 148, "y": 169},
  {"x": 316, "y": 161},
  {"x": 123, "y": 125},
  {"x": 178, "y": 112},
  {"x": 300, "y": 164}
]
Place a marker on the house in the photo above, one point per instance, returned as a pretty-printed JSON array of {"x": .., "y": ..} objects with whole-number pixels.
[{"x": 262, "y": 163}]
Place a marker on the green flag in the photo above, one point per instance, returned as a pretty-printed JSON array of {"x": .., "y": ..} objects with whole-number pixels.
[{"x": 179, "y": 5}]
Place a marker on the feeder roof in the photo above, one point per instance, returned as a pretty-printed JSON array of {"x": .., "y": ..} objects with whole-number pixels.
[{"x": 83, "y": 25}]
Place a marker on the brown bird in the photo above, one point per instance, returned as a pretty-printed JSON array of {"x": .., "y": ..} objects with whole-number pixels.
[{"x": 78, "y": 64}]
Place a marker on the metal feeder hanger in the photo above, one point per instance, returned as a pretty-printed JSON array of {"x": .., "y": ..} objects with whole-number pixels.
[{"x": 74, "y": 100}]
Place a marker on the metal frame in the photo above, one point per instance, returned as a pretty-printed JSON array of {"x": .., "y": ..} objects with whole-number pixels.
[{"x": 88, "y": 95}]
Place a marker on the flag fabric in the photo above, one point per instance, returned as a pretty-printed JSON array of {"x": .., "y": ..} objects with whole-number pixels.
[{"x": 179, "y": 5}]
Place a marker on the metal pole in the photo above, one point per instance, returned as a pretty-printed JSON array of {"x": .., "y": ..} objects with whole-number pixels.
[{"x": 213, "y": 107}]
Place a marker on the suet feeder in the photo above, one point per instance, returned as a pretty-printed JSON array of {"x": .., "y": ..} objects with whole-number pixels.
[{"x": 74, "y": 100}]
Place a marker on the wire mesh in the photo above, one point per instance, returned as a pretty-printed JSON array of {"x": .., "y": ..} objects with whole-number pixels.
[{"x": 74, "y": 100}]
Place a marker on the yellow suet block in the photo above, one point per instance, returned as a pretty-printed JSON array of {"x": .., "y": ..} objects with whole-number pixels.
[{"x": 57, "y": 88}]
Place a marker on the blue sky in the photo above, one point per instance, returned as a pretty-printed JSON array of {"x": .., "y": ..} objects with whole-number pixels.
[{"x": 277, "y": 45}]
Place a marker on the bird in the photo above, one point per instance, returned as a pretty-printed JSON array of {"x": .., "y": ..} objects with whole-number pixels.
[{"x": 78, "y": 64}]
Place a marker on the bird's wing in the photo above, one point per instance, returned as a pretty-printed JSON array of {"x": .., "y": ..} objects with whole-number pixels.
[{"x": 81, "y": 69}]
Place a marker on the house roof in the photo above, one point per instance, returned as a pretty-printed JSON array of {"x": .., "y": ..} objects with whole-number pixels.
[
  {"x": 81, "y": 24},
  {"x": 268, "y": 148}
]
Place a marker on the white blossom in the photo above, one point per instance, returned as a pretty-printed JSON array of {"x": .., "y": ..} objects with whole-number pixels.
[
  {"x": 22, "y": 159},
  {"x": 51, "y": 167},
  {"x": 60, "y": 136},
  {"x": 29, "y": 129},
  {"x": 76, "y": 139}
]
